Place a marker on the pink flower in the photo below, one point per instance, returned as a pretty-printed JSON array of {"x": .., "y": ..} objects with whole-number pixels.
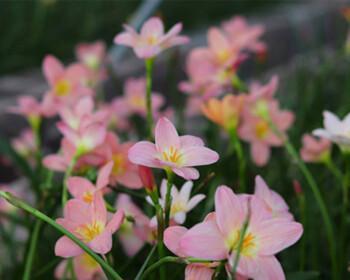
[
  {"x": 25, "y": 145},
  {"x": 174, "y": 152},
  {"x": 275, "y": 204},
  {"x": 83, "y": 189},
  {"x": 243, "y": 36},
  {"x": 152, "y": 40},
  {"x": 181, "y": 202},
  {"x": 314, "y": 149},
  {"x": 91, "y": 54},
  {"x": 66, "y": 85},
  {"x": 264, "y": 237},
  {"x": 124, "y": 171},
  {"x": 30, "y": 108},
  {"x": 88, "y": 222},
  {"x": 85, "y": 268},
  {"x": 135, "y": 97},
  {"x": 133, "y": 235},
  {"x": 60, "y": 161}
]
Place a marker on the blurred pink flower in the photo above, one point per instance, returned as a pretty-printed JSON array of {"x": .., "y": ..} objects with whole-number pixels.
[
  {"x": 81, "y": 188},
  {"x": 264, "y": 238},
  {"x": 85, "y": 268},
  {"x": 174, "y": 152},
  {"x": 133, "y": 235},
  {"x": 124, "y": 171},
  {"x": 30, "y": 108},
  {"x": 243, "y": 36},
  {"x": 181, "y": 202},
  {"x": 89, "y": 223},
  {"x": 314, "y": 149},
  {"x": 152, "y": 40},
  {"x": 25, "y": 145},
  {"x": 61, "y": 160},
  {"x": 92, "y": 55}
]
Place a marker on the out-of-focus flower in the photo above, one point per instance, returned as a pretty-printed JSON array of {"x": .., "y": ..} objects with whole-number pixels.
[
  {"x": 91, "y": 54},
  {"x": 85, "y": 268},
  {"x": 124, "y": 171},
  {"x": 134, "y": 98},
  {"x": 88, "y": 222},
  {"x": 244, "y": 36},
  {"x": 335, "y": 130},
  {"x": 315, "y": 150},
  {"x": 275, "y": 204},
  {"x": 25, "y": 145},
  {"x": 346, "y": 13},
  {"x": 147, "y": 178},
  {"x": 173, "y": 152},
  {"x": 225, "y": 112},
  {"x": 60, "y": 161},
  {"x": 264, "y": 237},
  {"x": 297, "y": 187},
  {"x": 81, "y": 188},
  {"x": 181, "y": 203},
  {"x": 66, "y": 84},
  {"x": 152, "y": 40},
  {"x": 133, "y": 235}
]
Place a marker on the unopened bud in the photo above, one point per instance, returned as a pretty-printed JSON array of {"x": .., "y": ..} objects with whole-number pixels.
[
  {"x": 297, "y": 187},
  {"x": 147, "y": 178}
]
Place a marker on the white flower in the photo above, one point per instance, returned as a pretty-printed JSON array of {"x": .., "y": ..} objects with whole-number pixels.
[
  {"x": 336, "y": 130},
  {"x": 181, "y": 202}
]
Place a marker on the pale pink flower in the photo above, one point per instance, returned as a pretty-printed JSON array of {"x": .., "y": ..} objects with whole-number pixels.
[
  {"x": 275, "y": 204},
  {"x": 92, "y": 55},
  {"x": 314, "y": 149},
  {"x": 117, "y": 114},
  {"x": 25, "y": 145},
  {"x": 264, "y": 237},
  {"x": 151, "y": 40},
  {"x": 61, "y": 160},
  {"x": 133, "y": 235},
  {"x": 335, "y": 130},
  {"x": 174, "y": 152},
  {"x": 258, "y": 91},
  {"x": 66, "y": 84},
  {"x": 124, "y": 171},
  {"x": 181, "y": 202},
  {"x": 85, "y": 268},
  {"x": 81, "y": 188},
  {"x": 134, "y": 97},
  {"x": 244, "y": 36},
  {"x": 30, "y": 108},
  {"x": 88, "y": 222},
  {"x": 256, "y": 129}
]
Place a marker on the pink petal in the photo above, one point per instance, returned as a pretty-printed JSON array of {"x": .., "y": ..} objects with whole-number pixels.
[
  {"x": 131, "y": 243},
  {"x": 152, "y": 27},
  {"x": 78, "y": 186},
  {"x": 55, "y": 162},
  {"x": 229, "y": 211},
  {"x": 196, "y": 156},
  {"x": 172, "y": 237},
  {"x": 77, "y": 211},
  {"x": 189, "y": 141},
  {"x": 194, "y": 201},
  {"x": 102, "y": 244},
  {"x": 208, "y": 234},
  {"x": 103, "y": 175},
  {"x": 143, "y": 153},
  {"x": 166, "y": 135},
  {"x": 198, "y": 272},
  {"x": 260, "y": 153},
  {"x": 116, "y": 221},
  {"x": 66, "y": 248},
  {"x": 52, "y": 68},
  {"x": 187, "y": 173},
  {"x": 130, "y": 179},
  {"x": 98, "y": 209}
]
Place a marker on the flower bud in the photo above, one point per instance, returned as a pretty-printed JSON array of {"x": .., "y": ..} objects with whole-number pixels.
[
  {"x": 147, "y": 177},
  {"x": 297, "y": 187}
]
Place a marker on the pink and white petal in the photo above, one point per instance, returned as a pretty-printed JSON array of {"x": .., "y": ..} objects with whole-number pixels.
[
  {"x": 187, "y": 173},
  {"x": 125, "y": 38},
  {"x": 144, "y": 153},
  {"x": 185, "y": 191},
  {"x": 152, "y": 27},
  {"x": 198, "y": 272},
  {"x": 229, "y": 211},
  {"x": 189, "y": 141},
  {"x": 269, "y": 268},
  {"x": 260, "y": 153},
  {"x": 208, "y": 233},
  {"x": 52, "y": 68},
  {"x": 78, "y": 186},
  {"x": 179, "y": 218},
  {"x": 172, "y": 237},
  {"x": 102, "y": 244},
  {"x": 176, "y": 29},
  {"x": 194, "y": 201},
  {"x": 166, "y": 135},
  {"x": 116, "y": 221},
  {"x": 277, "y": 234},
  {"x": 85, "y": 106},
  {"x": 103, "y": 175},
  {"x": 196, "y": 156},
  {"x": 98, "y": 211},
  {"x": 55, "y": 162},
  {"x": 331, "y": 122},
  {"x": 66, "y": 248}
]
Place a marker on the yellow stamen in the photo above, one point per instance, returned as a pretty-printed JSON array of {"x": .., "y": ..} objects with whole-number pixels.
[
  {"x": 62, "y": 88},
  {"x": 89, "y": 231},
  {"x": 261, "y": 129},
  {"x": 119, "y": 164},
  {"x": 88, "y": 197},
  {"x": 172, "y": 155}
]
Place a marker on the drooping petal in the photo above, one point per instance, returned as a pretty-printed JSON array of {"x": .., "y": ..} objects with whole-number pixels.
[
  {"x": 172, "y": 237},
  {"x": 66, "y": 248},
  {"x": 187, "y": 173},
  {"x": 208, "y": 233}
]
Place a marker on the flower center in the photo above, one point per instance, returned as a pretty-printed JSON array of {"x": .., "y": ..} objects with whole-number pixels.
[
  {"x": 249, "y": 245},
  {"x": 119, "y": 164},
  {"x": 152, "y": 40},
  {"x": 88, "y": 261},
  {"x": 62, "y": 88},
  {"x": 88, "y": 197},
  {"x": 261, "y": 129},
  {"x": 137, "y": 101},
  {"x": 172, "y": 154},
  {"x": 176, "y": 207},
  {"x": 88, "y": 232}
]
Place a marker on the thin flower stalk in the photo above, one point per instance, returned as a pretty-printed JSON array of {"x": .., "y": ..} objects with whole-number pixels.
[{"x": 149, "y": 67}]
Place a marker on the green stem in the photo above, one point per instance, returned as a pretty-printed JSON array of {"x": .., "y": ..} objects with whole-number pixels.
[
  {"x": 144, "y": 265},
  {"x": 240, "y": 158},
  {"x": 149, "y": 67},
  {"x": 32, "y": 248},
  {"x": 26, "y": 207},
  {"x": 301, "y": 202},
  {"x": 170, "y": 259},
  {"x": 167, "y": 206},
  {"x": 334, "y": 170},
  {"x": 67, "y": 174},
  {"x": 317, "y": 194}
]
